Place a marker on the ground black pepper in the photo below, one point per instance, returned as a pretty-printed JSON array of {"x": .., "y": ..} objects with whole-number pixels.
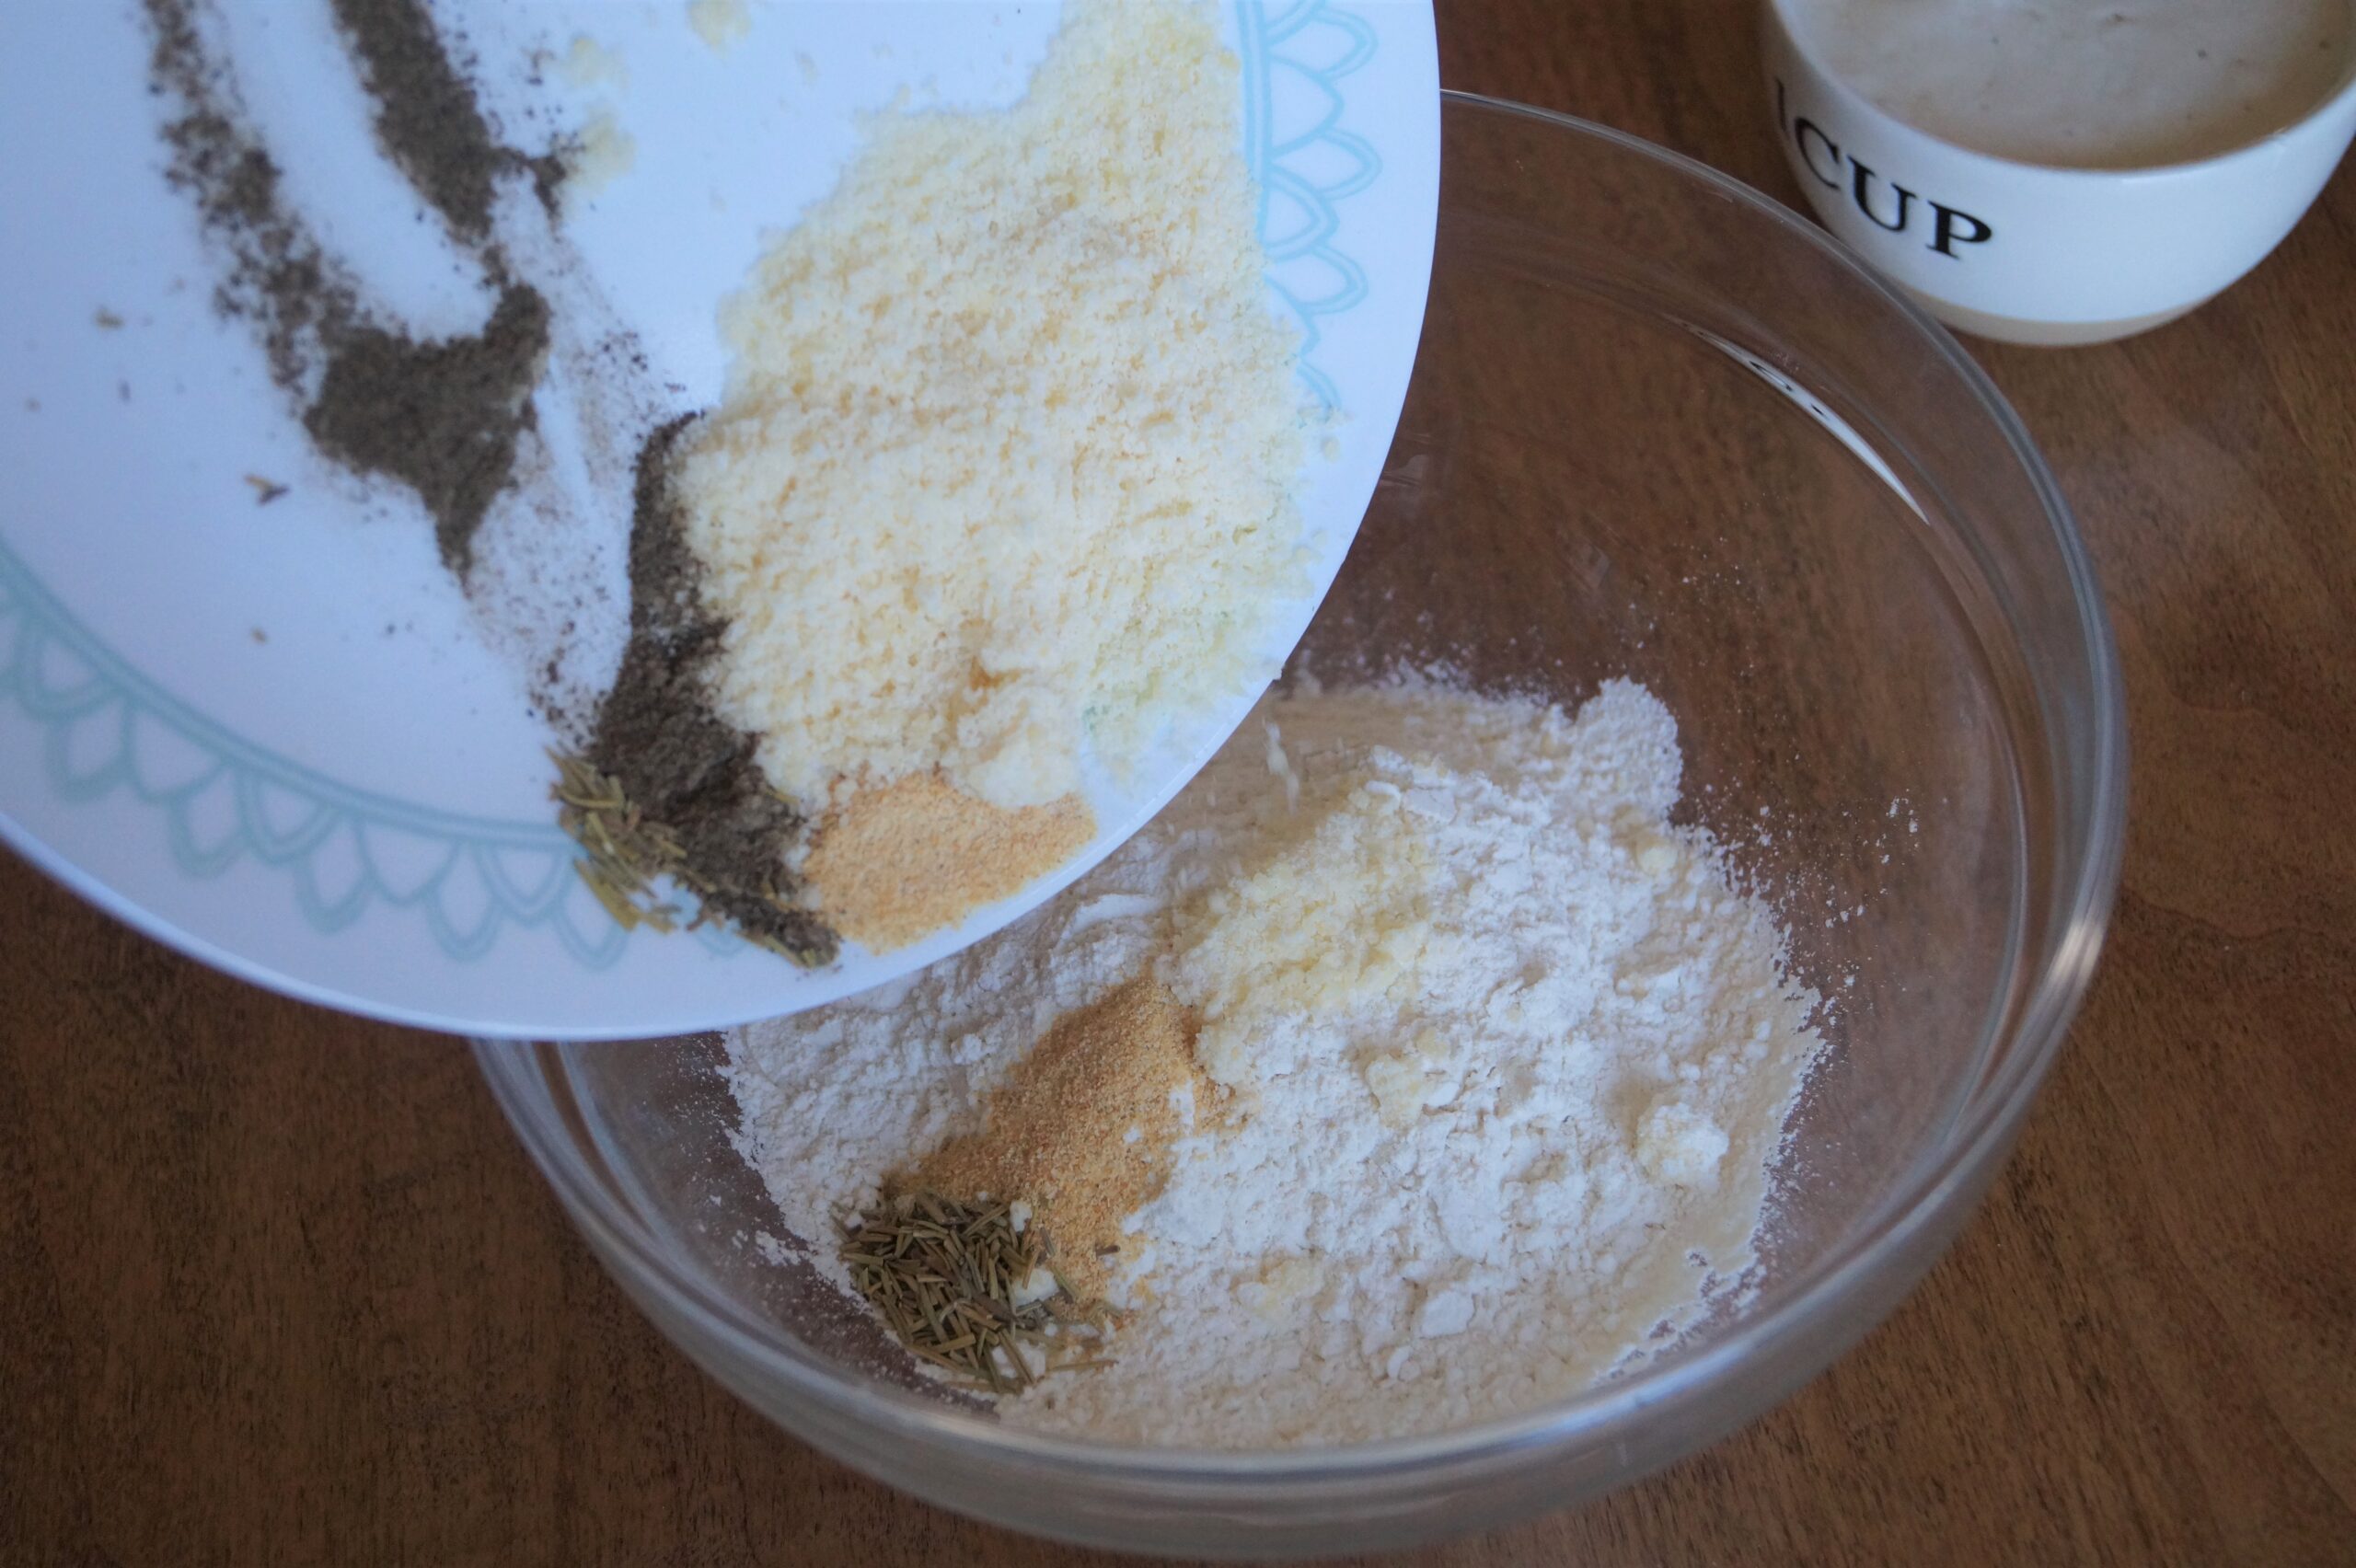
[
  {"x": 440, "y": 417},
  {"x": 679, "y": 762},
  {"x": 443, "y": 416},
  {"x": 427, "y": 119}
]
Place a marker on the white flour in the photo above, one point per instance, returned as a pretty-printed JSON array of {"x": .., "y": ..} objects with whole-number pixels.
[{"x": 1511, "y": 1062}]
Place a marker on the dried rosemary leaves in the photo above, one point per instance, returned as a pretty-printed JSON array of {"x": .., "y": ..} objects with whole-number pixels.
[
  {"x": 624, "y": 852},
  {"x": 969, "y": 1288}
]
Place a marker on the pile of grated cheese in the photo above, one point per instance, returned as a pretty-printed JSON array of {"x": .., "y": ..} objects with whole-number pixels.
[{"x": 1005, "y": 456}]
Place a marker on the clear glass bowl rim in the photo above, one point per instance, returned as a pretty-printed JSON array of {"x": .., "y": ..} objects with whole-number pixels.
[{"x": 1944, "y": 1178}]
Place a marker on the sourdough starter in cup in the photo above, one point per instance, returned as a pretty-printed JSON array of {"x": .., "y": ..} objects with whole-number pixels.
[{"x": 2096, "y": 84}]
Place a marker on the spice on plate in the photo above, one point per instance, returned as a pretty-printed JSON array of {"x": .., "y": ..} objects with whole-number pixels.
[
  {"x": 667, "y": 788},
  {"x": 443, "y": 416},
  {"x": 425, "y": 113},
  {"x": 892, "y": 864}
]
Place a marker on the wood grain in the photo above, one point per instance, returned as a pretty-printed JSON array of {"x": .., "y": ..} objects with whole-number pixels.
[{"x": 276, "y": 1285}]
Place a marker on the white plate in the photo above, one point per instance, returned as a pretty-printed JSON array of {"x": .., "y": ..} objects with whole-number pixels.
[{"x": 274, "y": 736}]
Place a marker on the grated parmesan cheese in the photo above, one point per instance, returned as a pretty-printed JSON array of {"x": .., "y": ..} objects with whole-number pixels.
[
  {"x": 603, "y": 152},
  {"x": 722, "y": 24},
  {"x": 1334, "y": 917},
  {"x": 1006, "y": 454}
]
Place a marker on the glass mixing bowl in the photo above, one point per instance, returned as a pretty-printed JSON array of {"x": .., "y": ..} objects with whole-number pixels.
[{"x": 1661, "y": 428}]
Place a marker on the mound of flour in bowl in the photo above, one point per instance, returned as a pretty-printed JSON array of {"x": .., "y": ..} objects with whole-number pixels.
[{"x": 1502, "y": 1065}]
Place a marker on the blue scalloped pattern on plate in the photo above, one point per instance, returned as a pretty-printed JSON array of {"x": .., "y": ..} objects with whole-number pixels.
[
  {"x": 1294, "y": 61},
  {"x": 104, "y": 726}
]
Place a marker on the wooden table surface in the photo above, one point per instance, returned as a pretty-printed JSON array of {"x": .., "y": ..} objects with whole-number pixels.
[{"x": 278, "y": 1285}]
